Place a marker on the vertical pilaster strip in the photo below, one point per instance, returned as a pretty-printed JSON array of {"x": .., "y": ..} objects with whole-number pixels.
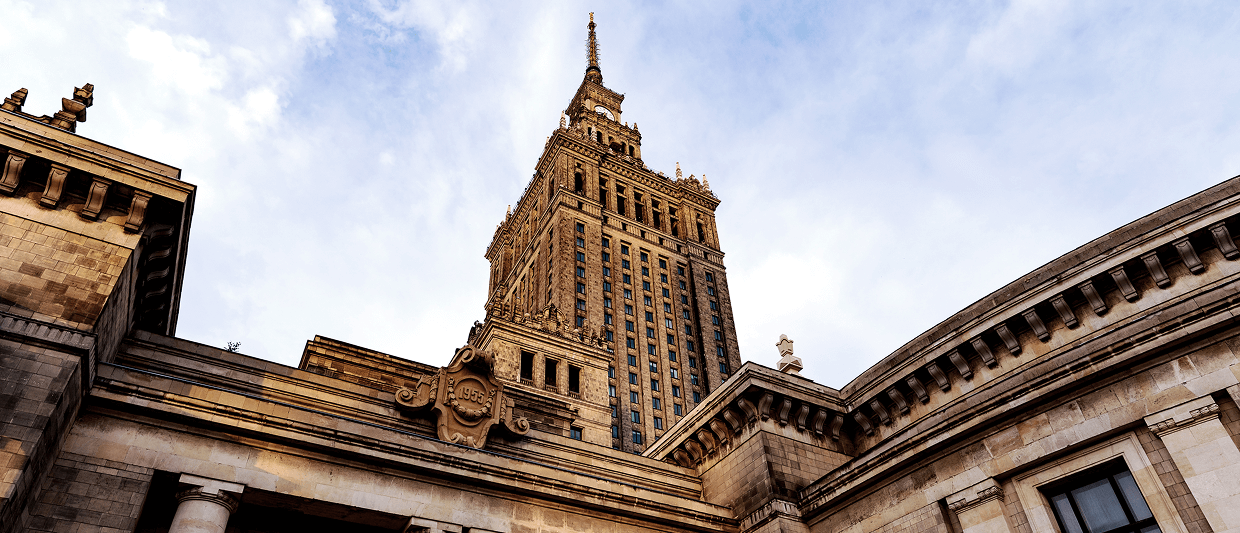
[
  {"x": 980, "y": 508},
  {"x": 1206, "y": 456}
]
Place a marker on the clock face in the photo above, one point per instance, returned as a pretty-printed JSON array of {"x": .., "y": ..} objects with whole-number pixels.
[{"x": 604, "y": 111}]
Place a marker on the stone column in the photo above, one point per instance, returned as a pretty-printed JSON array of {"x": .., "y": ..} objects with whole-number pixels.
[
  {"x": 980, "y": 508},
  {"x": 1206, "y": 456},
  {"x": 205, "y": 505}
]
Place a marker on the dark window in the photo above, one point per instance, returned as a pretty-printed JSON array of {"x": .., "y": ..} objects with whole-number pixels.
[
  {"x": 527, "y": 365},
  {"x": 692, "y": 362},
  {"x": 626, "y": 278},
  {"x": 606, "y": 286},
  {"x": 680, "y": 270},
  {"x": 607, "y": 259},
  {"x": 606, "y": 270},
  {"x": 663, "y": 263},
  {"x": 611, "y": 372},
  {"x": 607, "y": 303},
  {"x": 688, "y": 330},
  {"x": 581, "y": 289},
  {"x": 611, "y": 391},
  {"x": 710, "y": 277},
  {"x": 675, "y": 391},
  {"x": 628, "y": 325},
  {"x": 628, "y": 309},
  {"x": 676, "y": 409},
  {"x": 649, "y": 316},
  {"x": 632, "y": 378},
  {"x": 581, "y": 228},
  {"x": 714, "y": 306},
  {"x": 663, "y": 278},
  {"x": 624, "y": 263},
  {"x": 674, "y": 373},
  {"x": 1104, "y": 500},
  {"x": 654, "y": 384},
  {"x": 654, "y": 367},
  {"x": 689, "y": 346},
  {"x": 656, "y": 403},
  {"x": 685, "y": 313},
  {"x": 607, "y": 318},
  {"x": 666, "y": 293},
  {"x": 581, "y": 243},
  {"x": 720, "y": 352},
  {"x": 632, "y": 360},
  {"x": 684, "y": 299},
  {"x": 650, "y": 349},
  {"x": 718, "y": 335},
  {"x": 645, "y": 270},
  {"x": 710, "y": 291},
  {"x": 574, "y": 433},
  {"x": 697, "y": 397},
  {"x": 637, "y": 437},
  {"x": 693, "y": 379},
  {"x": 671, "y": 339},
  {"x": 549, "y": 376},
  {"x": 574, "y": 379},
  {"x": 624, "y": 249},
  {"x": 658, "y": 423},
  {"x": 646, "y": 300},
  {"x": 646, "y": 286},
  {"x": 606, "y": 242},
  {"x": 609, "y": 335},
  {"x": 628, "y": 294},
  {"x": 714, "y": 319},
  {"x": 645, "y": 258},
  {"x": 581, "y": 256},
  {"x": 667, "y": 308},
  {"x": 632, "y": 396},
  {"x": 671, "y": 356},
  {"x": 630, "y": 342},
  {"x": 581, "y": 320},
  {"x": 682, "y": 283},
  {"x": 723, "y": 369},
  {"x": 635, "y": 416}
]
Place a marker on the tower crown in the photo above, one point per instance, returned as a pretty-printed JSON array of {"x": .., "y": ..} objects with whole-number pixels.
[{"x": 593, "y": 73}]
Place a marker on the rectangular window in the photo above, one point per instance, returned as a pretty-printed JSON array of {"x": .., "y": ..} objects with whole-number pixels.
[
  {"x": 628, "y": 294},
  {"x": 615, "y": 432},
  {"x": 527, "y": 365},
  {"x": 633, "y": 397},
  {"x": 607, "y": 303},
  {"x": 714, "y": 319},
  {"x": 663, "y": 263},
  {"x": 684, "y": 299},
  {"x": 606, "y": 271},
  {"x": 689, "y": 345},
  {"x": 671, "y": 356},
  {"x": 668, "y": 323},
  {"x": 710, "y": 291},
  {"x": 663, "y": 278},
  {"x": 649, "y": 316},
  {"x": 607, "y": 318},
  {"x": 581, "y": 304},
  {"x": 693, "y": 379},
  {"x": 632, "y": 378},
  {"x": 667, "y": 308},
  {"x": 650, "y": 349},
  {"x": 624, "y": 249},
  {"x": 581, "y": 256},
  {"x": 685, "y": 313},
  {"x": 714, "y": 306},
  {"x": 675, "y": 391},
  {"x": 628, "y": 325},
  {"x": 632, "y": 360},
  {"x": 625, "y": 278},
  {"x": 1105, "y": 500},
  {"x": 607, "y": 259},
  {"x": 675, "y": 373},
  {"x": 574, "y": 433},
  {"x": 710, "y": 277},
  {"x": 574, "y": 379},
  {"x": 658, "y": 423},
  {"x": 723, "y": 369},
  {"x": 611, "y": 391},
  {"x": 677, "y": 409},
  {"x": 549, "y": 376},
  {"x": 697, "y": 397},
  {"x": 606, "y": 286},
  {"x": 606, "y": 242},
  {"x": 635, "y": 416},
  {"x": 646, "y": 300},
  {"x": 654, "y": 367},
  {"x": 630, "y": 342},
  {"x": 611, "y": 372},
  {"x": 656, "y": 403},
  {"x": 646, "y": 271},
  {"x": 680, "y": 270},
  {"x": 624, "y": 263},
  {"x": 581, "y": 320},
  {"x": 646, "y": 285},
  {"x": 609, "y": 336},
  {"x": 628, "y": 309},
  {"x": 720, "y": 351},
  {"x": 637, "y": 437},
  {"x": 654, "y": 384},
  {"x": 581, "y": 228},
  {"x": 581, "y": 288},
  {"x": 671, "y": 339},
  {"x": 682, "y": 285},
  {"x": 645, "y": 257},
  {"x": 692, "y": 362},
  {"x": 614, "y": 412},
  {"x": 718, "y": 335},
  {"x": 688, "y": 329},
  {"x": 667, "y": 293},
  {"x": 581, "y": 272},
  {"x": 581, "y": 243}
]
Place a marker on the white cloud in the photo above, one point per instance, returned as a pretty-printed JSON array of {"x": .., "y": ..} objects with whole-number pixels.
[{"x": 313, "y": 20}]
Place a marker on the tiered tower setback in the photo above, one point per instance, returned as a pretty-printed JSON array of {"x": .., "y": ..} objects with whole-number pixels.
[{"x": 623, "y": 261}]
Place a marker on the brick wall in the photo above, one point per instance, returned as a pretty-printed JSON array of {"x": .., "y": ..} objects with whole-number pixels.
[
  {"x": 1170, "y": 476},
  {"x": 1014, "y": 510}
]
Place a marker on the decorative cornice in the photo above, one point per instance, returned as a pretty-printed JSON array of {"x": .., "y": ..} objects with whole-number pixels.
[
  {"x": 974, "y": 496},
  {"x": 772, "y": 510},
  {"x": 45, "y": 332},
  {"x": 1195, "y": 416}
]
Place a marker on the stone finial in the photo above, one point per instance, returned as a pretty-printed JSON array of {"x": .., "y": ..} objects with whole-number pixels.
[
  {"x": 678, "y": 174},
  {"x": 14, "y": 103},
  {"x": 74, "y": 111},
  {"x": 562, "y": 121},
  {"x": 705, "y": 184},
  {"x": 788, "y": 363}
]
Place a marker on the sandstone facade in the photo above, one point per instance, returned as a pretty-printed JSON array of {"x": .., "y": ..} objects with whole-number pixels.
[{"x": 1096, "y": 393}]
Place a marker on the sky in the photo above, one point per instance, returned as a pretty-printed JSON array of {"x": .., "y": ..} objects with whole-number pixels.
[{"x": 881, "y": 165}]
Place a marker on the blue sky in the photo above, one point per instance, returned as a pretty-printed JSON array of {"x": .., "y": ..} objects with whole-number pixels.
[{"x": 881, "y": 165}]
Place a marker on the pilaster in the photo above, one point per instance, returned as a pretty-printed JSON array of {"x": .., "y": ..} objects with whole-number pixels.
[
  {"x": 980, "y": 508},
  {"x": 1206, "y": 456}
]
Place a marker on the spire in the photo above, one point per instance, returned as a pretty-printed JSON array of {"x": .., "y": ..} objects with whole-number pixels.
[{"x": 593, "y": 73}]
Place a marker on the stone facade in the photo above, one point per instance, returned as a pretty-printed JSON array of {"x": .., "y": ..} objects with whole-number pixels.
[{"x": 1114, "y": 368}]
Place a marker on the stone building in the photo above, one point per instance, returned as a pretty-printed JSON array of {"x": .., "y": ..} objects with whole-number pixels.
[{"x": 1097, "y": 393}]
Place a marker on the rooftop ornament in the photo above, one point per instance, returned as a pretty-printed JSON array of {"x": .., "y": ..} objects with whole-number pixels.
[{"x": 788, "y": 363}]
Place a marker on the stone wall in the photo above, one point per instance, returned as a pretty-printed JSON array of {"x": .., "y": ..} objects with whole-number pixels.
[{"x": 90, "y": 494}]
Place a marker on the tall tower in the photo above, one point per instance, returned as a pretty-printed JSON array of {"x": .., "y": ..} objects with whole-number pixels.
[{"x": 622, "y": 261}]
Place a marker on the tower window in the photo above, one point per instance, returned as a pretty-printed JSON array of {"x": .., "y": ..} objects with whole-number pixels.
[
  {"x": 658, "y": 423},
  {"x": 527, "y": 365},
  {"x": 574, "y": 379},
  {"x": 581, "y": 228},
  {"x": 578, "y": 185},
  {"x": 549, "y": 377}
]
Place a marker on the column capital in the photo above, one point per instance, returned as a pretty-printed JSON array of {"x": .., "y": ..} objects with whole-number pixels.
[
  {"x": 1182, "y": 416},
  {"x": 974, "y": 496},
  {"x": 222, "y": 499}
]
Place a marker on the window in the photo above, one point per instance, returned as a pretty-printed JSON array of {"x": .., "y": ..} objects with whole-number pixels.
[
  {"x": 632, "y": 360},
  {"x": 581, "y": 288},
  {"x": 581, "y": 320},
  {"x": 614, "y": 412},
  {"x": 549, "y": 376},
  {"x": 574, "y": 379},
  {"x": 723, "y": 369},
  {"x": 632, "y": 378},
  {"x": 581, "y": 243},
  {"x": 581, "y": 256},
  {"x": 581, "y": 228},
  {"x": 615, "y": 432},
  {"x": 581, "y": 272},
  {"x": 689, "y": 346},
  {"x": 663, "y": 278},
  {"x": 633, "y": 397},
  {"x": 710, "y": 277},
  {"x": 607, "y": 259},
  {"x": 624, "y": 263},
  {"x": 606, "y": 286},
  {"x": 611, "y": 391},
  {"x": 658, "y": 423},
  {"x": 720, "y": 352},
  {"x": 654, "y": 384},
  {"x": 692, "y": 362},
  {"x": 671, "y": 339},
  {"x": 635, "y": 416},
  {"x": 682, "y": 283},
  {"x": 628, "y": 325},
  {"x": 675, "y": 391},
  {"x": 624, "y": 249},
  {"x": 625, "y": 278},
  {"x": 693, "y": 379},
  {"x": 697, "y": 397},
  {"x": 606, "y": 271},
  {"x": 677, "y": 409},
  {"x": 671, "y": 356},
  {"x": 574, "y": 433},
  {"x": 684, "y": 300},
  {"x": 656, "y": 403},
  {"x": 607, "y": 318},
  {"x": 675, "y": 373},
  {"x": 607, "y": 303},
  {"x": 1106, "y": 500},
  {"x": 654, "y": 367},
  {"x": 646, "y": 271},
  {"x": 637, "y": 437},
  {"x": 650, "y": 349},
  {"x": 667, "y": 308},
  {"x": 630, "y": 342},
  {"x": 527, "y": 366},
  {"x": 628, "y": 294},
  {"x": 645, "y": 258},
  {"x": 606, "y": 242},
  {"x": 646, "y": 286},
  {"x": 718, "y": 335},
  {"x": 628, "y": 309},
  {"x": 646, "y": 300},
  {"x": 685, "y": 313},
  {"x": 667, "y": 293},
  {"x": 609, "y": 336},
  {"x": 649, "y": 316},
  {"x": 714, "y": 306},
  {"x": 688, "y": 329},
  {"x": 680, "y": 270},
  {"x": 611, "y": 372},
  {"x": 663, "y": 263}
]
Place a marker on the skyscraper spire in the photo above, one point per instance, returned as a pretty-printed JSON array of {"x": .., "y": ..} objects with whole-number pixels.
[{"x": 593, "y": 73}]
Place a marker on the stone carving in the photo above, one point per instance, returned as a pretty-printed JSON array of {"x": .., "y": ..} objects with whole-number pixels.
[
  {"x": 1065, "y": 311},
  {"x": 1155, "y": 268},
  {"x": 465, "y": 397},
  {"x": 95, "y": 198},
  {"x": 1125, "y": 285},
  {"x": 1222, "y": 238},
  {"x": 1036, "y": 324},
  {"x": 14, "y": 103},
  {"x": 55, "y": 185},
  {"x": 1095, "y": 299},
  {"x": 74, "y": 111},
  {"x": 12, "y": 172},
  {"x": 137, "y": 211},
  {"x": 788, "y": 363},
  {"x": 983, "y": 351},
  {"x": 1189, "y": 255}
]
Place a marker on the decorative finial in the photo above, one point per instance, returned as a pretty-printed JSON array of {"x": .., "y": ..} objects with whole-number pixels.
[
  {"x": 705, "y": 184},
  {"x": 788, "y": 363},
  {"x": 509, "y": 213},
  {"x": 15, "y": 102},
  {"x": 593, "y": 73},
  {"x": 74, "y": 110},
  {"x": 561, "y": 120},
  {"x": 678, "y": 174}
]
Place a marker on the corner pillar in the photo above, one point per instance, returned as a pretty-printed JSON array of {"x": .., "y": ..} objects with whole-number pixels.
[
  {"x": 1206, "y": 456},
  {"x": 980, "y": 508},
  {"x": 205, "y": 505}
]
